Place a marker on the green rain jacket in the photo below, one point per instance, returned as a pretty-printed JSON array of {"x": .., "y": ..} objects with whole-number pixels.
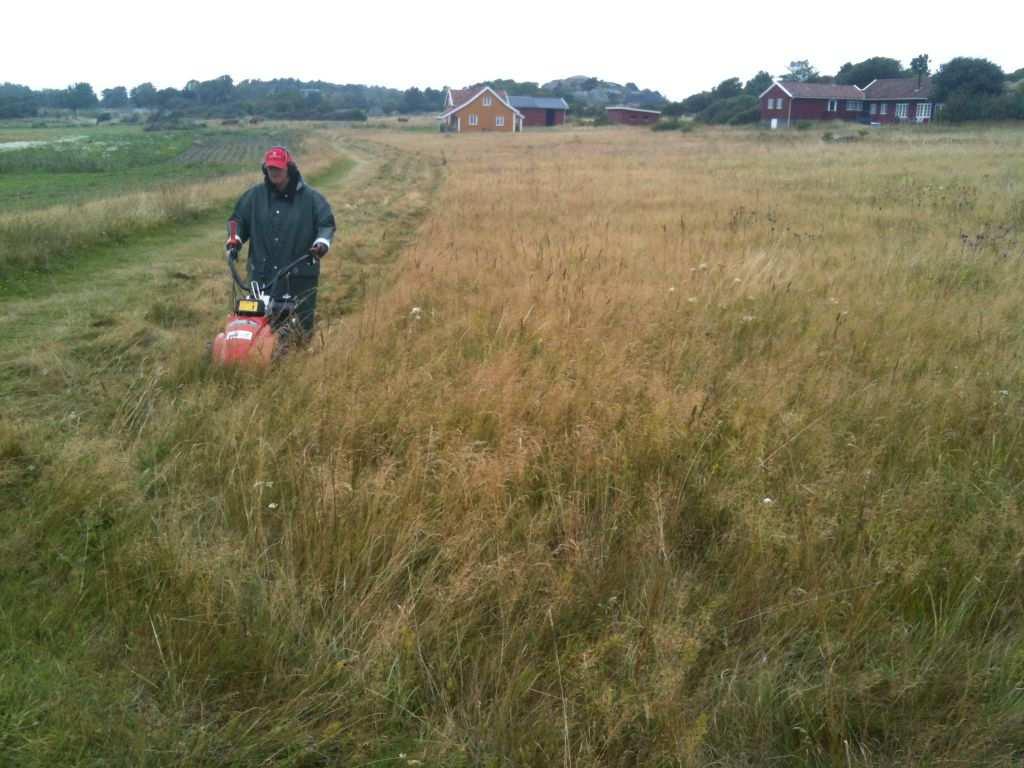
[{"x": 281, "y": 226}]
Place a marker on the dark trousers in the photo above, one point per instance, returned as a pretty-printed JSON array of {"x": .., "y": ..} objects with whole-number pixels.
[{"x": 303, "y": 291}]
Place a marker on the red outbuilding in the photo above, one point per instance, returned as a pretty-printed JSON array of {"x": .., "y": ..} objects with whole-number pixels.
[
  {"x": 540, "y": 111},
  {"x": 632, "y": 115}
]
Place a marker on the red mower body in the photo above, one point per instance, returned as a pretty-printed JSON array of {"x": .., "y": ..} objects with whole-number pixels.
[
  {"x": 245, "y": 341},
  {"x": 250, "y": 336}
]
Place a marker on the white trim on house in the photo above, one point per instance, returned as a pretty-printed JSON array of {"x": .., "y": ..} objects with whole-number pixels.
[
  {"x": 469, "y": 101},
  {"x": 774, "y": 83}
]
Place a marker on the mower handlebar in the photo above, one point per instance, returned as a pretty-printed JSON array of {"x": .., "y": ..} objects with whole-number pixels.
[{"x": 232, "y": 257}]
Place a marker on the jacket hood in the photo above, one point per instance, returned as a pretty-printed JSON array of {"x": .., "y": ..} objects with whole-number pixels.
[{"x": 295, "y": 180}]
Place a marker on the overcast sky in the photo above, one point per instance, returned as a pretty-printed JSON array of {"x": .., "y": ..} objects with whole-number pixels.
[{"x": 676, "y": 48}]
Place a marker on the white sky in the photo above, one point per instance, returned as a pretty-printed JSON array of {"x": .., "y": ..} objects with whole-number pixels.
[{"x": 676, "y": 48}]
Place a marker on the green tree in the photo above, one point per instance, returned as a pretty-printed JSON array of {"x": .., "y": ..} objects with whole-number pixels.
[
  {"x": 79, "y": 96},
  {"x": 919, "y": 66},
  {"x": 16, "y": 101},
  {"x": 144, "y": 96},
  {"x": 115, "y": 97},
  {"x": 801, "y": 71},
  {"x": 758, "y": 84},
  {"x": 217, "y": 91},
  {"x": 863, "y": 72},
  {"x": 967, "y": 76},
  {"x": 698, "y": 102},
  {"x": 728, "y": 88},
  {"x": 414, "y": 101}
]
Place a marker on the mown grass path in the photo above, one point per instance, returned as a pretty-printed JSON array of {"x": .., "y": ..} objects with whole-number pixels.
[{"x": 74, "y": 345}]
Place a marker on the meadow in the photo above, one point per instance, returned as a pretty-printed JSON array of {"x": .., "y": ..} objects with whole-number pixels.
[
  {"x": 54, "y": 181},
  {"x": 616, "y": 448}
]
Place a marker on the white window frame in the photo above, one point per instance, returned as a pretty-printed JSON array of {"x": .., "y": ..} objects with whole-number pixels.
[
  {"x": 852, "y": 105},
  {"x": 883, "y": 108},
  {"x": 488, "y": 101},
  {"x": 778, "y": 103},
  {"x": 499, "y": 121},
  {"x": 873, "y": 109},
  {"x": 474, "y": 120},
  {"x": 902, "y": 108},
  {"x": 833, "y": 105},
  {"x": 924, "y": 111}
]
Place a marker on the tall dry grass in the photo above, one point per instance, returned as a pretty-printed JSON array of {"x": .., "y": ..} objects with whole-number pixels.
[{"x": 658, "y": 450}]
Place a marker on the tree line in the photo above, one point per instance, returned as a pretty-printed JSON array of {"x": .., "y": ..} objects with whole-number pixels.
[
  {"x": 969, "y": 88},
  {"x": 222, "y": 97}
]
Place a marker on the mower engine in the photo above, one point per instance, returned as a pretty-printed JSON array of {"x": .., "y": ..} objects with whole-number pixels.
[{"x": 253, "y": 332}]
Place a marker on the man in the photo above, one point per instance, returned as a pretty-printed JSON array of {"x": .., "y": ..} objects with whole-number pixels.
[{"x": 282, "y": 219}]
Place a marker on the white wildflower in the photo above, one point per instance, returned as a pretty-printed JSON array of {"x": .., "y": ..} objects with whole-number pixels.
[
  {"x": 416, "y": 313},
  {"x": 767, "y": 501},
  {"x": 271, "y": 505}
]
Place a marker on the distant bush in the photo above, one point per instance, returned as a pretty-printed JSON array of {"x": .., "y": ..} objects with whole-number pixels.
[
  {"x": 804, "y": 125},
  {"x": 683, "y": 126},
  {"x": 746, "y": 117},
  {"x": 724, "y": 111},
  {"x": 103, "y": 117},
  {"x": 963, "y": 107}
]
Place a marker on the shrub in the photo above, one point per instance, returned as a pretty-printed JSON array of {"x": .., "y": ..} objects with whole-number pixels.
[
  {"x": 746, "y": 117},
  {"x": 723, "y": 111},
  {"x": 666, "y": 125},
  {"x": 962, "y": 107}
]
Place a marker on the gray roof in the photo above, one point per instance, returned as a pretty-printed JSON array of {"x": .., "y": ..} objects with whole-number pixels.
[
  {"x": 822, "y": 90},
  {"x": 537, "y": 102},
  {"x": 899, "y": 88}
]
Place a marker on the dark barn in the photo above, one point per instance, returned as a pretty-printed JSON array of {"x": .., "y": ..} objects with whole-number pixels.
[
  {"x": 632, "y": 115},
  {"x": 541, "y": 111}
]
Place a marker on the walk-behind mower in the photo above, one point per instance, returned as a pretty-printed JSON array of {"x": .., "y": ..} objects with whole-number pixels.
[{"x": 261, "y": 326}]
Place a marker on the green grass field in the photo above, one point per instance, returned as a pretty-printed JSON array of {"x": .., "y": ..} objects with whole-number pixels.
[
  {"x": 617, "y": 448},
  {"x": 82, "y": 163}
]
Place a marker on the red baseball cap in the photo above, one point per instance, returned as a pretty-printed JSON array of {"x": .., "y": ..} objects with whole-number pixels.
[{"x": 277, "y": 157}]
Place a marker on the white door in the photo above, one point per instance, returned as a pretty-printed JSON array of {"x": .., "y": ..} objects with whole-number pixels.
[{"x": 775, "y": 123}]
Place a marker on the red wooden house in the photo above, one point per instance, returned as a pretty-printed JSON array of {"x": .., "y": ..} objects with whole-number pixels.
[
  {"x": 881, "y": 101},
  {"x": 900, "y": 99}
]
